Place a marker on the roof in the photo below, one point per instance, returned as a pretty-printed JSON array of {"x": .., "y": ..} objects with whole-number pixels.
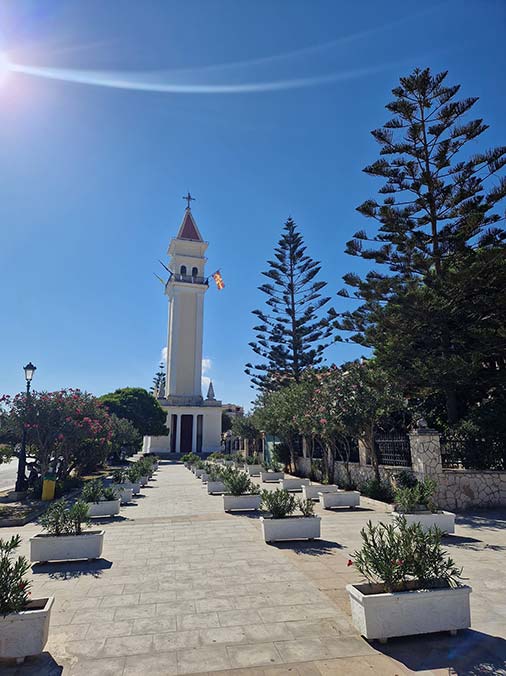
[{"x": 188, "y": 228}]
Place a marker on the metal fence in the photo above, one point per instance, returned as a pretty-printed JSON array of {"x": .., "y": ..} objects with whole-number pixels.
[
  {"x": 393, "y": 449},
  {"x": 452, "y": 451}
]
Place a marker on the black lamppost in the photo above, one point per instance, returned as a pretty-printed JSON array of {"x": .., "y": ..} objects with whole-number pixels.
[{"x": 21, "y": 478}]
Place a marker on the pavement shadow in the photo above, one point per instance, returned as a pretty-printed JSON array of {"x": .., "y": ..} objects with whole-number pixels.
[
  {"x": 470, "y": 652},
  {"x": 493, "y": 519},
  {"x": 308, "y": 547},
  {"x": 38, "y": 665},
  {"x": 105, "y": 520},
  {"x": 69, "y": 570}
]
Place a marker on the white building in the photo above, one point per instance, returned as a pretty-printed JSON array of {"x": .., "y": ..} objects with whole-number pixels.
[{"x": 194, "y": 423}]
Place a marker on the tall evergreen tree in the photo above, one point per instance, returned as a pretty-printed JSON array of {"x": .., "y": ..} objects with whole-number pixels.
[
  {"x": 437, "y": 234},
  {"x": 293, "y": 333},
  {"x": 158, "y": 387}
]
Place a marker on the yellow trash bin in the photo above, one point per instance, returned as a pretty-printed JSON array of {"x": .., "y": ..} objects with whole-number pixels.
[{"x": 48, "y": 487}]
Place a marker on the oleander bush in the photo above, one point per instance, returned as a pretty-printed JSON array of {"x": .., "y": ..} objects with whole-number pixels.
[
  {"x": 401, "y": 556},
  {"x": 93, "y": 491},
  {"x": 421, "y": 494},
  {"x": 377, "y": 490},
  {"x": 119, "y": 476},
  {"x": 280, "y": 503},
  {"x": 14, "y": 588},
  {"x": 306, "y": 507},
  {"x": 61, "y": 520},
  {"x": 239, "y": 483}
]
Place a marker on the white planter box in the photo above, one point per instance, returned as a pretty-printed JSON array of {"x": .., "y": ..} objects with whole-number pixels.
[
  {"x": 199, "y": 473},
  {"x": 88, "y": 545},
  {"x": 143, "y": 480},
  {"x": 293, "y": 484},
  {"x": 311, "y": 492},
  {"x": 136, "y": 487},
  {"x": 253, "y": 470},
  {"x": 445, "y": 521},
  {"x": 339, "y": 499},
  {"x": 291, "y": 528},
  {"x": 124, "y": 492},
  {"x": 228, "y": 463},
  {"x": 103, "y": 508},
  {"x": 406, "y": 613},
  {"x": 241, "y": 502},
  {"x": 271, "y": 477},
  {"x": 215, "y": 487},
  {"x": 25, "y": 633},
  {"x": 204, "y": 477}
]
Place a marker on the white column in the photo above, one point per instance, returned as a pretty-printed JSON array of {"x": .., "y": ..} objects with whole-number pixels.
[
  {"x": 199, "y": 310},
  {"x": 194, "y": 433},
  {"x": 178, "y": 433},
  {"x": 173, "y": 344}
]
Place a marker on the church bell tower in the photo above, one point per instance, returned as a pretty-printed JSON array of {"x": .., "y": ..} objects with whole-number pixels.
[{"x": 194, "y": 422}]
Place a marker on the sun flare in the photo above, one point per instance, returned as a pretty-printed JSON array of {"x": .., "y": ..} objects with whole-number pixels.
[{"x": 5, "y": 68}]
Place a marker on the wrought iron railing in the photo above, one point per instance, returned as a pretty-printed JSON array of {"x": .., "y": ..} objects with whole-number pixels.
[
  {"x": 190, "y": 279},
  {"x": 393, "y": 449}
]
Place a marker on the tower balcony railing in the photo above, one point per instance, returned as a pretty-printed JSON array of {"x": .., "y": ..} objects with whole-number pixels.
[{"x": 190, "y": 279}]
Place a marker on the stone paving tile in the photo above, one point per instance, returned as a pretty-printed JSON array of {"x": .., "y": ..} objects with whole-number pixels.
[
  {"x": 200, "y": 621},
  {"x": 108, "y": 629},
  {"x": 255, "y": 655},
  {"x": 154, "y": 625},
  {"x": 213, "y": 657},
  {"x": 176, "y": 639},
  {"x": 103, "y": 667},
  {"x": 160, "y": 664}
]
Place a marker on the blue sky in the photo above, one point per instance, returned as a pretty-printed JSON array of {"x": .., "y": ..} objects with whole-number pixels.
[{"x": 92, "y": 175}]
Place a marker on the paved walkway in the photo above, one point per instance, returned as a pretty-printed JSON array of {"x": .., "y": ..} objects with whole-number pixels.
[{"x": 184, "y": 588}]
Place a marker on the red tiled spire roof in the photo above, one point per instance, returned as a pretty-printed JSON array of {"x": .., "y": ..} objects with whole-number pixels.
[{"x": 188, "y": 229}]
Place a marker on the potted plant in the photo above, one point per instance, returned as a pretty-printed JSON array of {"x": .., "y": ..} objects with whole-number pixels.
[
  {"x": 241, "y": 492},
  {"x": 215, "y": 481},
  {"x": 282, "y": 524},
  {"x": 293, "y": 484},
  {"x": 200, "y": 469},
  {"x": 64, "y": 538},
  {"x": 415, "y": 504},
  {"x": 144, "y": 470},
  {"x": 252, "y": 465},
  {"x": 123, "y": 488},
  {"x": 272, "y": 472},
  {"x": 133, "y": 477},
  {"x": 101, "y": 501},
  {"x": 412, "y": 586},
  {"x": 310, "y": 492},
  {"x": 24, "y": 623},
  {"x": 338, "y": 498}
]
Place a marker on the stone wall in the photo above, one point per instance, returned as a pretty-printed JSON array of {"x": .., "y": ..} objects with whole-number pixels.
[
  {"x": 462, "y": 488},
  {"x": 359, "y": 473}
]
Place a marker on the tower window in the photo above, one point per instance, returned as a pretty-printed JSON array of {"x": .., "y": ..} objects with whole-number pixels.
[
  {"x": 183, "y": 270},
  {"x": 195, "y": 272}
]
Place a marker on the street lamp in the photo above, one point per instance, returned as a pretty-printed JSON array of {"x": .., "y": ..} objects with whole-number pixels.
[{"x": 29, "y": 370}]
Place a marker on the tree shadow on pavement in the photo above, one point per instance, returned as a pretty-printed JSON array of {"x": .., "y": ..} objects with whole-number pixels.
[
  {"x": 39, "y": 665},
  {"x": 308, "y": 547}
]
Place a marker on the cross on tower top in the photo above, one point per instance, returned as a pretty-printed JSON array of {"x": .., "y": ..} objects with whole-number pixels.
[{"x": 188, "y": 199}]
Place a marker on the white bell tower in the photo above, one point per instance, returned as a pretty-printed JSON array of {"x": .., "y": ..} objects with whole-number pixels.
[{"x": 194, "y": 422}]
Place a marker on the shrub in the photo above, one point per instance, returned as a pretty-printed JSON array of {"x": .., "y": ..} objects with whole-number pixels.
[
  {"x": 93, "y": 491},
  {"x": 396, "y": 554},
  {"x": 306, "y": 507},
  {"x": 190, "y": 458},
  {"x": 134, "y": 473},
  {"x": 14, "y": 589},
  {"x": 216, "y": 456},
  {"x": 405, "y": 479},
  {"x": 272, "y": 466},
  {"x": 280, "y": 503},
  {"x": 421, "y": 493},
  {"x": 109, "y": 494},
  {"x": 144, "y": 467},
  {"x": 239, "y": 483},
  {"x": 377, "y": 490},
  {"x": 119, "y": 476},
  {"x": 61, "y": 520}
]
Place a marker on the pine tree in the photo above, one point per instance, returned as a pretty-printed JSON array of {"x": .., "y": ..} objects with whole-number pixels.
[
  {"x": 437, "y": 235},
  {"x": 158, "y": 387},
  {"x": 292, "y": 334}
]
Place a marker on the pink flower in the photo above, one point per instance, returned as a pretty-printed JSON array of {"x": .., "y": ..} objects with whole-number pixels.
[
  {"x": 350, "y": 563},
  {"x": 323, "y": 421}
]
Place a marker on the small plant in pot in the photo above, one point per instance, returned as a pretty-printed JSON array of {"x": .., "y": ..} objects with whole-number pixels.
[
  {"x": 240, "y": 492},
  {"x": 253, "y": 465},
  {"x": 24, "y": 623},
  {"x": 282, "y": 523},
  {"x": 144, "y": 470},
  {"x": 101, "y": 501},
  {"x": 133, "y": 476},
  {"x": 214, "y": 476},
  {"x": 271, "y": 472},
  {"x": 416, "y": 504},
  {"x": 65, "y": 539},
  {"x": 412, "y": 586},
  {"x": 122, "y": 486}
]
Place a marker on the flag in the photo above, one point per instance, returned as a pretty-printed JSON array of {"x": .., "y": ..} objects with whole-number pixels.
[{"x": 218, "y": 279}]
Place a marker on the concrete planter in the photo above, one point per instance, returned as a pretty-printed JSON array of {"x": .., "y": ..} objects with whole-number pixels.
[
  {"x": 241, "y": 502},
  {"x": 271, "y": 477},
  {"x": 445, "y": 521},
  {"x": 143, "y": 480},
  {"x": 199, "y": 473},
  {"x": 228, "y": 463},
  {"x": 25, "y": 633},
  {"x": 339, "y": 499},
  {"x": 124, "y": 492},
  {"x": 423, "y": 611},
  {"x": 293, "y": 484},
  {"x": 215, "y": 487},
  {"x": 253, "y": 470},
  {"x": 136, "y": 487},
  {"x": 311, "y": 492},
  {"x": 291, "y": 528},
  {"x": 103, "y": 508},
  {"x": 88, "y": 545},
  {"x": 204, "y": 477}
]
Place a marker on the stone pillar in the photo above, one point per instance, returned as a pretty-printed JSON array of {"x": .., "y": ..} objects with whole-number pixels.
[
  {"x": 194, "y": 434},
  {"x": 178, "y": 434},
  {"x": 425, "y": 453},
  {"x": 362, "y": 453}
]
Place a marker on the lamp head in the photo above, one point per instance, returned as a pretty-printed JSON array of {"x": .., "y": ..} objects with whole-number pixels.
[{"x": 29, "y": 371}]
